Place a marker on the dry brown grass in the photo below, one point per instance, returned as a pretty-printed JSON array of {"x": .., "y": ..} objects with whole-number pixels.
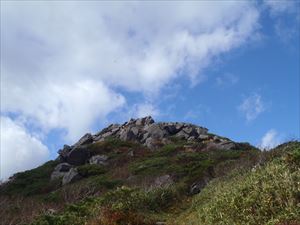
[{"x": 23, "y": 210}]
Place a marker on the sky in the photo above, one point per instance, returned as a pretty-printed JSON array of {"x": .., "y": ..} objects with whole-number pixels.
[{"x": 72, "y": 67}]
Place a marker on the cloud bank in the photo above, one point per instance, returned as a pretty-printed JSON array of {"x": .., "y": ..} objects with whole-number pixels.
[
  {"x": 67, "y": 64},
  {"x": 19, "y": 150},
  {"x": 270, "y": 140}
]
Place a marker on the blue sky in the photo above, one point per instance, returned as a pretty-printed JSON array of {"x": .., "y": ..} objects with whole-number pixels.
[{"x": 68, "y": 68}]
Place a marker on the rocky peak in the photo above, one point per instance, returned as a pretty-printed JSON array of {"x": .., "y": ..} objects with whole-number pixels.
[
  {"x": 144, "y": 131},
  {"x": 147, "y": 132}
]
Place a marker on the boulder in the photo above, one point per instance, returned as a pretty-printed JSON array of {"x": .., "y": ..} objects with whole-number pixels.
[
  {"x": 190, "y": 131},
  {"x": 78, "y": 156},
  {"x": 71, "y": 176},
  {"x": 127, "y": 135},
  {"x": 63, "y": 153},
  {"x": 182, "y": 135},
  {"x": 144, "y": 121},
  {"x": 99, "y": 159},
  {"x": 170, "y": 128},
  {"x": 155, "y": 131},
  {"x": 86, "y": 139},
  {"x": 203, "y": 137},
  {"x": 60, "y": 170}
]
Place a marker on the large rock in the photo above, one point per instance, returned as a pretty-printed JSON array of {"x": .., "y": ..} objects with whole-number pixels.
[
  {"x": 86, "y": 139},
  {"x": 71, "y": 176},
  {"x": 155, "y": 131},
  {"x": 63, "y": 153},
  {"x": 144, "y": 121},
  {"x": 60, "y": 170},
  {"x": 78, "y": 156},
  {"x": 99, "y": 159}
]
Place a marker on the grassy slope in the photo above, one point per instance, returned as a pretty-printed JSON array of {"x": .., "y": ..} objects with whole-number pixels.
[
  {"x": 106, "y": 197},
  {"x": 269, "y": 194}
]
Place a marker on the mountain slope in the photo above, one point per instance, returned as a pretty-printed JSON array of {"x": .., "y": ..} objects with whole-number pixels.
[{"x": 140, "y": 172}]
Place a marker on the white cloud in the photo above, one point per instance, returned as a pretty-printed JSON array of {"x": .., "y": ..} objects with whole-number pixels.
[
  {"x": 19, "y": 150},
  {"x": 65, "y": 64},
  {"x": 74, "y": 106},
  {"x": 270, "y": 140},
  {"x": 252, "y": 107}
]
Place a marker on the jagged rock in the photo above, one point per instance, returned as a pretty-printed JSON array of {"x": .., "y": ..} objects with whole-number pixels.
[
  {"x": 144, "y": 121},
  {"x": 86, "y": 139},
  {"x": 170, "y": 128},
  {"x": 127, "y": 135},
  {"x": 155, "y": 131},
  {"x": 78, "y": 156},
  {"x": 60, "y": 170},
  {"x": 71, "y": 176},
  {"x": 182, "y": 135},
  {"x": 203, "y": 136},
  {"x": 63, "y": 153},
  {"x": 190, "y": 131},
  {"x": 99, "y": 159}
]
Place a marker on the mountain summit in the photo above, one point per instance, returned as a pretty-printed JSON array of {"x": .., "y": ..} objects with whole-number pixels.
[{"x": 144, "y": 172}]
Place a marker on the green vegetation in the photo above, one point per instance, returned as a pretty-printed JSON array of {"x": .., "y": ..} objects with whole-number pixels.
[
  {"x": 265, "y": 195},
  {"x": 87, "y": 170},
  {"x": 110, "y": 145},
  {"x": 238, "y": 193},
  {"x": 32, "y": 182}
]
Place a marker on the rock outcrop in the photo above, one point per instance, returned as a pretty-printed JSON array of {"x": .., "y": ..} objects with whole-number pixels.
[{"x": 144, "y": 131}]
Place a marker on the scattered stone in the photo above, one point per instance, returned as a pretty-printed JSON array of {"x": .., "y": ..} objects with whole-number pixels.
[{"x": 99, "y": 159}]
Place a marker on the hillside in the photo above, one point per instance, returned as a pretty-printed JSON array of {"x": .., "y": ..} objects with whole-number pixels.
[{"x": 143, "y": 172}]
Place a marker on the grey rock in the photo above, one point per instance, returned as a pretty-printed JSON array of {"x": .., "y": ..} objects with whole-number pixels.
[
  {"x": 86, "y": 139},
  {"x": 78, "y": 156},
  {"x": 182, "y": 135},
  {"x": 135, "y": 131},
  {"x": 63, "y": 153},
  {"x": 203, "y": 136},
  {"x": 127, "y": 135},
  {"x": 99, "y": 159},
  {"x": 171, "y": 129},
  {"x": 60, "y": 170},
  {"x": 155, "y": 131},
  {"x": 71, "y": 176},
  {"x": 191, "y": 131},
  {"x": 201, "y": 130},
  {"x": 144, "y": 121}
]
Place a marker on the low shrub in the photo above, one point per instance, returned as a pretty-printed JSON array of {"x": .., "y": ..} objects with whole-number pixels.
[{"x": 87, "y": 170}]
